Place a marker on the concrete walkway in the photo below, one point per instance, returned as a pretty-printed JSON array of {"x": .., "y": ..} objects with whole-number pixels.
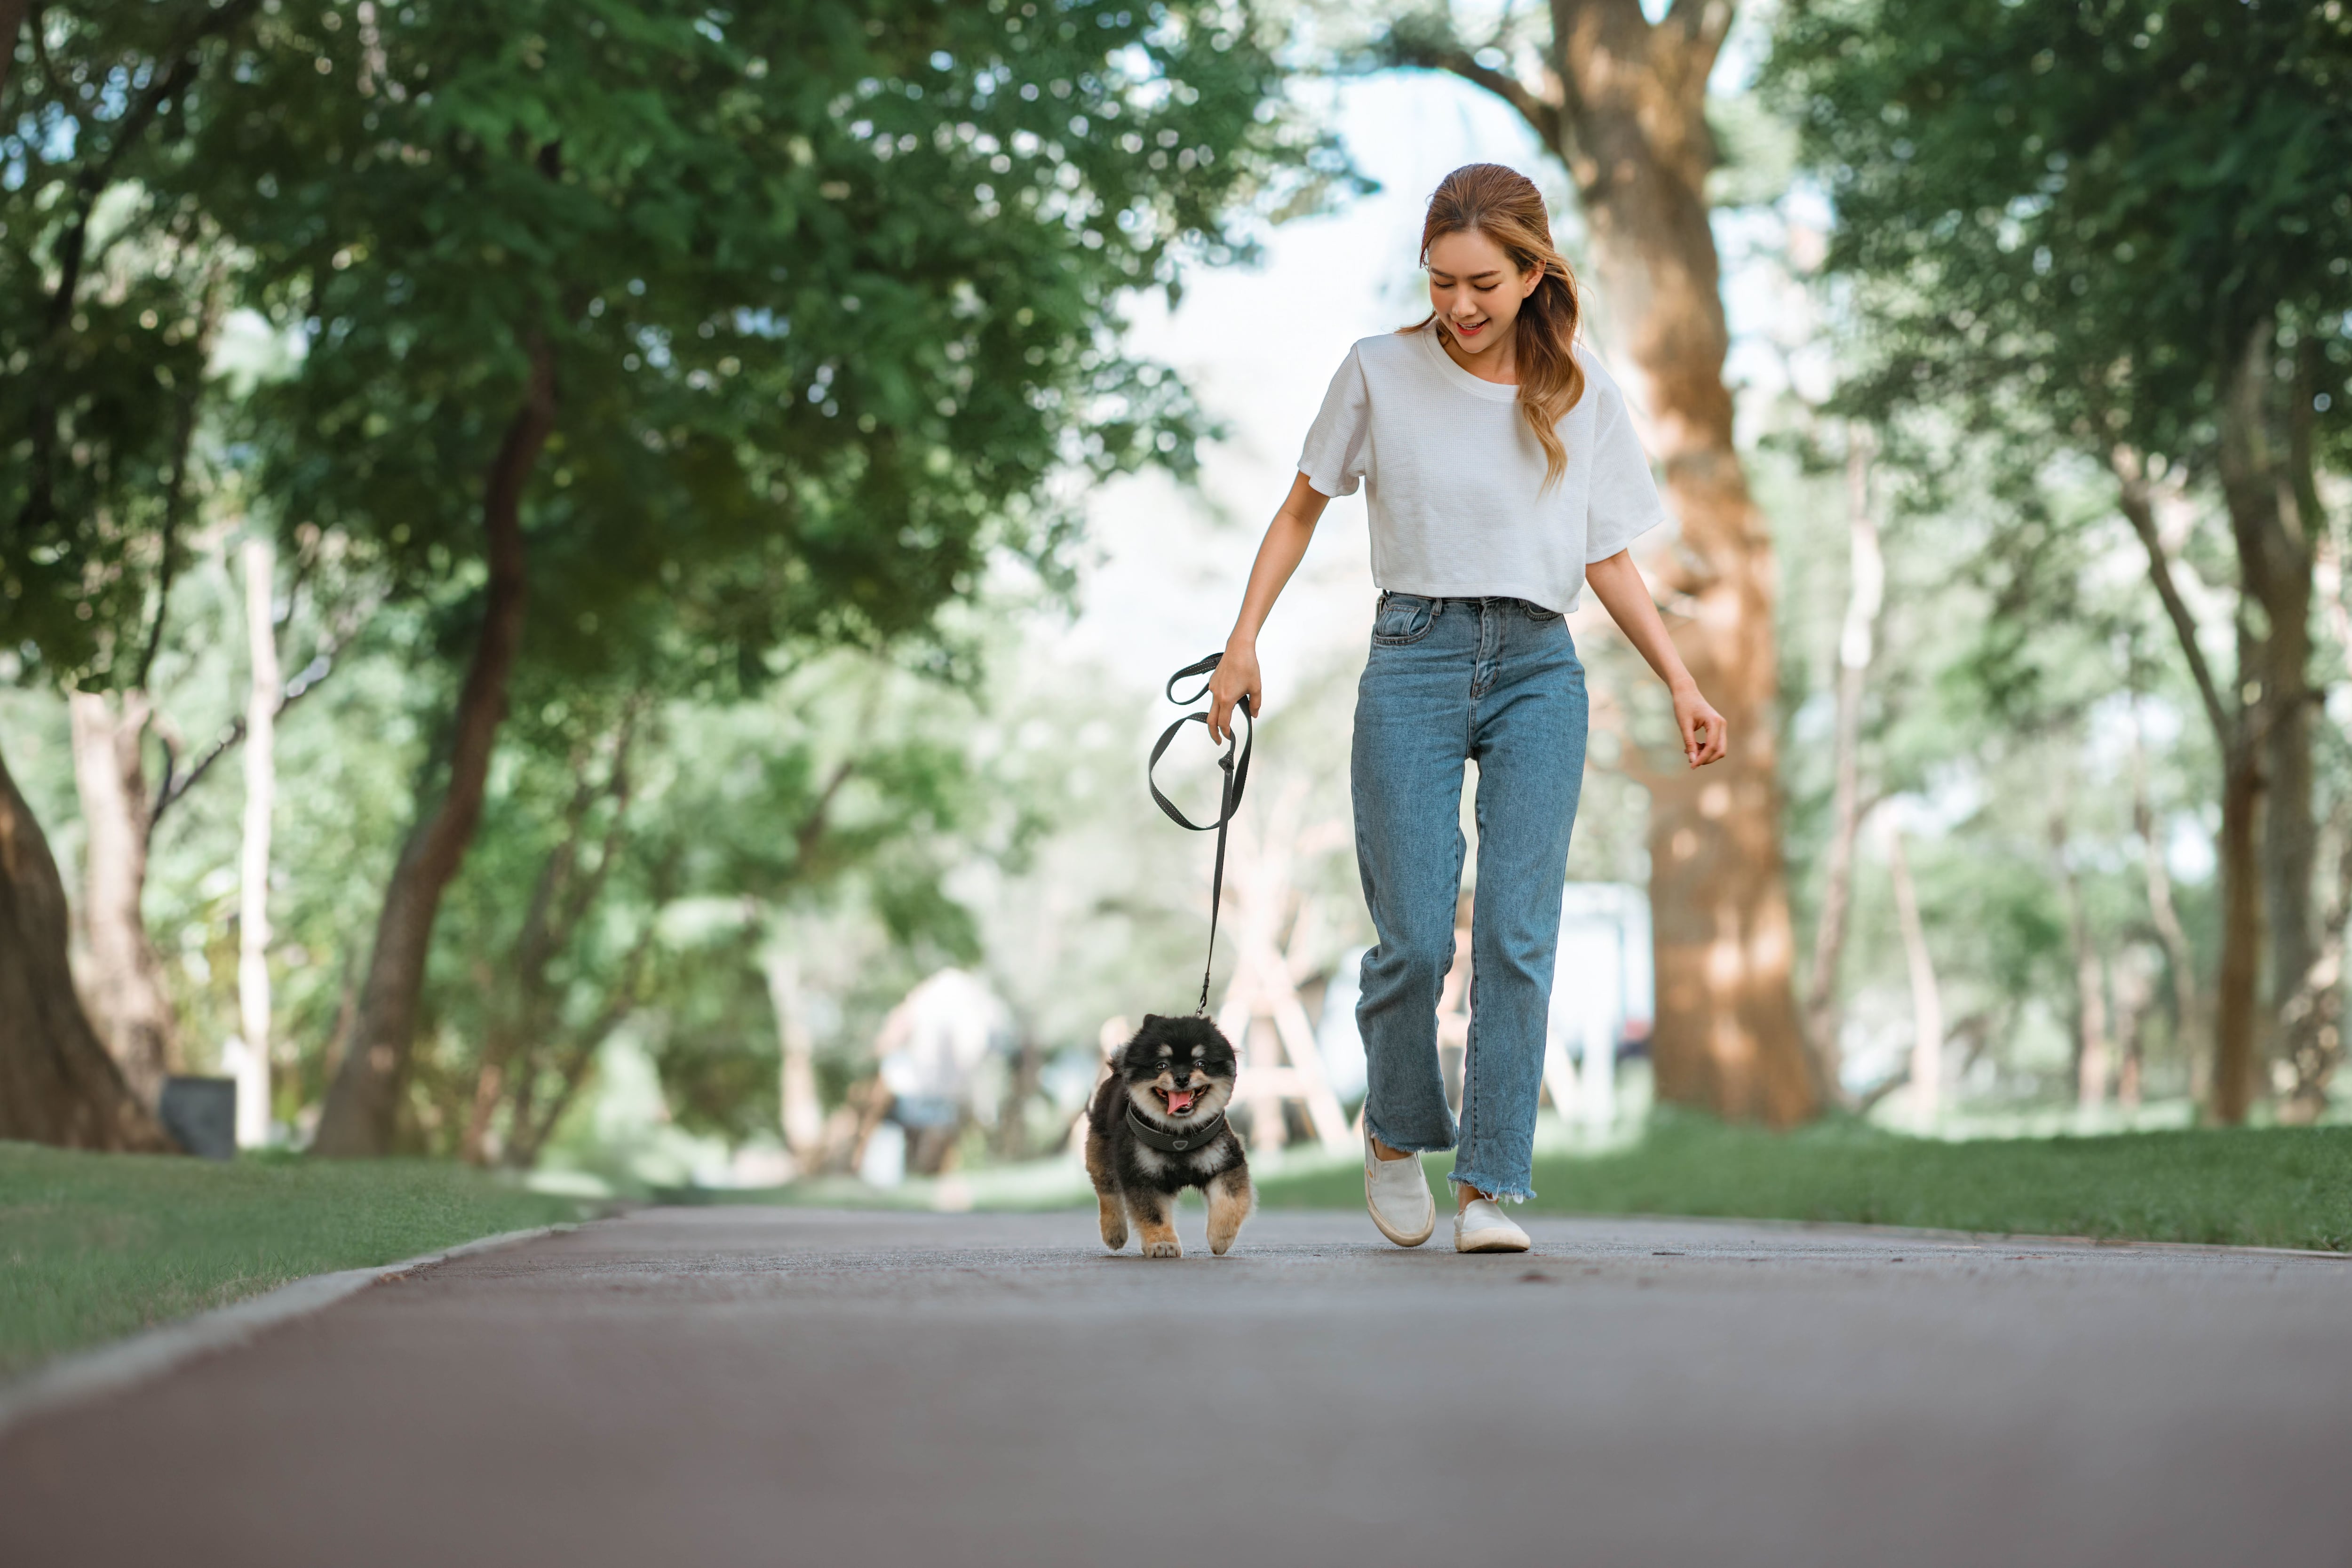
[{"x": 742, "y": 1386}]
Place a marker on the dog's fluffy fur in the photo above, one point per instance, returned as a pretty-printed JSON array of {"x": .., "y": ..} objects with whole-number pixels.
[{"x": 1178, "y": 1073}]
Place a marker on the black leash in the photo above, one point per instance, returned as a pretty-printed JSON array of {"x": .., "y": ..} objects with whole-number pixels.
[{"x": 1236, "y": 768}]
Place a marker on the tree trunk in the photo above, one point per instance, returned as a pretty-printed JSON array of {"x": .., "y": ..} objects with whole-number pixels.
[
  {"x": 803, "y": 1111},
  {"x": 529, "y": 1019},
  {"x": 2162, "y": 914},
  {"x": 2135, "y": 988},
  {"x": 363, "y": 1105},
  {"x": 1727, "y": 1038},
  {"x": 2274, "y": 562},
  {"x": 1624, "y": 105},
  {"x": 1866, "y": 593},
  {"x": 2092, "y": 1053},
  {"x": 58, "y": 1085},
  {"x": 1927, "y": 997},
  {"x": 253, "y": 881},
  {"x": 2233, "y": 722},
  {"x": 2242, "y": 935},
  {"x": 124, "y": 982}
]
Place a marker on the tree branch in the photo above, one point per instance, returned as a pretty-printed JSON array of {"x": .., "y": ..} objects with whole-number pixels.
[
  {"x": 2132, "y": 483},
  {"x": 175, "y": 496},
  {"x": 1429, "y": 43},
  {"x": 2301, "y": 467},
  {"x": 306, "y": 680},
  {"x": 581, "y": 891},
  {"x": 804, "y": 839},
  {"x": 1706, "y": 22},
  {"x": 1867, "y": 1100},
  {"x": 525, "y": 1142}
]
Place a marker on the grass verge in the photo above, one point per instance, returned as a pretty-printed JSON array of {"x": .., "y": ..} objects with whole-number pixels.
[
  {"x": 2241, "y": 1187},
  {"x": 93, "y": 1247}
]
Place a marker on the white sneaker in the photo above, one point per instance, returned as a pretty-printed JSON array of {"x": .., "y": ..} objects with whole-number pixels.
[
  {"x": 1483, "y": 1227},
  {"x": 1398, "y": 1196}
]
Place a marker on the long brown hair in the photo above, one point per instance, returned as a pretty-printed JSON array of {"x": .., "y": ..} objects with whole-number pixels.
[{"x": 1505, "y": 205}]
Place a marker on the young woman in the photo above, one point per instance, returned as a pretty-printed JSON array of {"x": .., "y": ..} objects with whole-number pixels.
[{"x": 1503, "y": 476}]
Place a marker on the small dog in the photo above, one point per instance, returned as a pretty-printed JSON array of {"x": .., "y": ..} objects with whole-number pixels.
[{"x": 1156, "y": 1126}]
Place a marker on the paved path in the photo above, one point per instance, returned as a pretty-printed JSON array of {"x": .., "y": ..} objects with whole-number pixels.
[{"x": 740, "y": 1387}]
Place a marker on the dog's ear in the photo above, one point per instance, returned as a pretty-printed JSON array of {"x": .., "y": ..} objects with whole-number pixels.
[{"x": 1151, "y": 1022}]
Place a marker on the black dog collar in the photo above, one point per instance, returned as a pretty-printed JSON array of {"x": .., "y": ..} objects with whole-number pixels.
[{"x": 1175, "y": 1142}]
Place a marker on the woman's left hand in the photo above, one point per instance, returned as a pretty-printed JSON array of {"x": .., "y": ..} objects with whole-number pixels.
[{"x": 1705, "y": 737}]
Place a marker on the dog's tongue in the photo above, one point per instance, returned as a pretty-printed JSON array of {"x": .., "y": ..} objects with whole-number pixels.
[{"x": 1179, "y": 1100}]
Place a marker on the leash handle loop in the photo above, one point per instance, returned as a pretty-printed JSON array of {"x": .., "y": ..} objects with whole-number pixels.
[{"x": 1235, "y": 764}]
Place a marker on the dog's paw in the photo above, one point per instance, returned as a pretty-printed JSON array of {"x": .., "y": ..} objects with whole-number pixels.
[
  {"x": 1162, "y": 1249},
  {"x": 1219, "y": 1244}
]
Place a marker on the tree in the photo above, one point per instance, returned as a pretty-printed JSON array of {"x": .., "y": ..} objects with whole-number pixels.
[
  {"x": 788, "y": 318},
  {"x": 1622, "y": 101},
  {"x": 58, "y": 1085},
  {"x": 2126, "y": 226},
  {"x": 104, "y": 291},
  {"x": 1857, "y": 636}
]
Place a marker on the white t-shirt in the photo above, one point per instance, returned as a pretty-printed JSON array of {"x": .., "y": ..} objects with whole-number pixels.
[{"x": 1457, "y": 498}]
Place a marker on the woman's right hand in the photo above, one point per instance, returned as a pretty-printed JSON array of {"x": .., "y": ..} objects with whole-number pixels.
[{"x": 1235, "y": 675}]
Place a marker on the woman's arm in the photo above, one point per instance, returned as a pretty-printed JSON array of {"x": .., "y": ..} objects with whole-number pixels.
[
  {"x": 1278, "y": 558},
  {"x": 1619, "y": 584},
  {"x": 1285, "y": 541}
]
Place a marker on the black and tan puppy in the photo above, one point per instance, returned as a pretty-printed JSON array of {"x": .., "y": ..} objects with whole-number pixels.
[{"x": 1156, "y": 1126}]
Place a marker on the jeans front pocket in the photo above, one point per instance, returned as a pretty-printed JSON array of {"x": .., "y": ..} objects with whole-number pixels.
[
  {"x": 1402, "y": 618},
  {"x": 1536, "y": 611}
]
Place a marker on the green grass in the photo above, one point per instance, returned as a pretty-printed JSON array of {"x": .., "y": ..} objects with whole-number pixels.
[
  {"x": 93, "y": 1247},
  {"x": 2250, "y": 1187}
]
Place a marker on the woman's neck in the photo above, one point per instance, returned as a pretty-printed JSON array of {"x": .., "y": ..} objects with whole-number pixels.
[{"x": 1499, "y": 364}]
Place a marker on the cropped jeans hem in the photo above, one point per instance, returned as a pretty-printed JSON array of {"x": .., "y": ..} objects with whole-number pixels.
[{"x": 1497, "y": 1190}]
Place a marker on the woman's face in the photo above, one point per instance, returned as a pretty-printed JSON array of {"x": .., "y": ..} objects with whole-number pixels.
[{"x": 1475, "y": 289}]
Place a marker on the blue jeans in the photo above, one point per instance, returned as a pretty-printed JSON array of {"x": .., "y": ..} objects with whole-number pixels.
[{"x": 1450, "y": 679}]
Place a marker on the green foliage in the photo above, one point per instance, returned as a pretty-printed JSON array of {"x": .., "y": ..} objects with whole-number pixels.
[
  {"x": 110, "y": 284},
  {"x": 2272, "y": 1187},
  {"x": 2085, "y": 206},
  {"x": 831, "y": 297},
  {"x": 2058, "y": 230},
  {"x": 98, "y": 1246},
  {"x": 844, "y": 794},
  {"x": 830, "y": 290}
]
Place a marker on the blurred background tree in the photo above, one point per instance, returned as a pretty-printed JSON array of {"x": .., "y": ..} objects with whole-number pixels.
[
  {"x": 2118, "y": 235},
  {"x": 793, "y": 318}
]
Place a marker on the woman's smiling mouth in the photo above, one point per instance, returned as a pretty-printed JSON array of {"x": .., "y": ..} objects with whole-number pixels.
[{"x": 1469, "y": 329}]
